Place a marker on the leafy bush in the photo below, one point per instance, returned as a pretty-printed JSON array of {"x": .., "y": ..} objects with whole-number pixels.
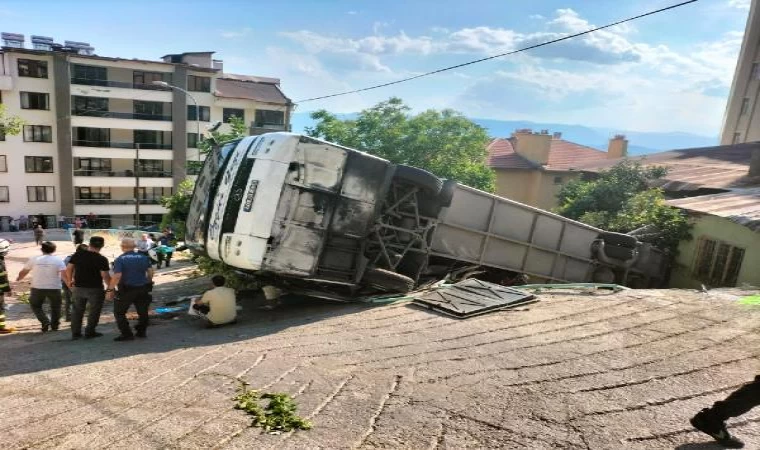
[{"x": 278, "y": 415}]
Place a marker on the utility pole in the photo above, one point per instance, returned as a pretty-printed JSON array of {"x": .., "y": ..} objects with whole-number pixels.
[{"x": 137, "y": 184}]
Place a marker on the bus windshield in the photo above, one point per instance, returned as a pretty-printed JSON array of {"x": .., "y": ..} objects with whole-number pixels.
[{"x": 205, "y": 190}]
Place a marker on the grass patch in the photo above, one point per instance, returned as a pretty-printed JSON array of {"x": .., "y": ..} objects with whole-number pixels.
[{"x": 279, "y": 414}]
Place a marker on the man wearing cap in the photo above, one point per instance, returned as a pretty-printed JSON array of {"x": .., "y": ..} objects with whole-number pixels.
[
  {"x": 86, "y": 273},
  {"x": 133, "y": 274}
]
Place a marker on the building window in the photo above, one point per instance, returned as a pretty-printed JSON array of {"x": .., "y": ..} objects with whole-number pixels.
[
  {"x": 718, "y": 263},
  {"x": 89, "y": 106},
  {"x": 268, "y": 117},
  {"x": 192, "y": 140},
  {"x": 228, "y": 113},
  {"x": 737, "y": 137},
  {"x": 199, "y": 84},
  {"x": 149, "y": 165},
  {"x": 38, "y": 164},
  {"x": 152, "y": 194},
  {"x": 38, "y": 133},
  {"x": 148, "y": 110},
  {"x": 32, "y": 68},
  {"x": 745, "y": 106},
  {"x": 92, "y": 166},
  {"x": 205, "y": 113},
  {"x": 35, "y": 100},
  {"x": 92, "y": 137},
  {"x": 4, "y": 194},
  {"x": 93, "y": 193},
  {"x": 149, "y": 138},
  {"x": 40, "y": 194},
  {"x": 90, "y": 75},
  {"x": 557, "y": 180},
  {"x": 145, "y": 79},
  {"x": 3, "y": 163}
]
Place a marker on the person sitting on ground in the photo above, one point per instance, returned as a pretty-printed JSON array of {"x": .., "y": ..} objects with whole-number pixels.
[
  {"x": 712, "y": 421},
  {"x": 217, "y": 305},
  {"x": 47, "y": 274}
]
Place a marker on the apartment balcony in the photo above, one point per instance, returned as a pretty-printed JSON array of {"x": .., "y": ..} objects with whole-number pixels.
[
  {"x": 119, "y": 84},
  {"x": 121, "y": 115},
  {"x": 120, "y": 89},
  {"x": 109, "y": 201},
  {"x": 129, "y": 145},
  {"x": 122, "y": 120},
  {"x": 124, "y": 178},
  {"x": 82, "y": 207}
]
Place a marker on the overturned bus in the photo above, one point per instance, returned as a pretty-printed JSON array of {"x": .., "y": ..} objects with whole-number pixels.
[{"x": 316, "y": 218}]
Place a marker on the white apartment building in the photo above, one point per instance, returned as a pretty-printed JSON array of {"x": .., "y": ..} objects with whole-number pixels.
[
  {"x": 96, "y": 127},
  {"x": 741, "y": 121}
]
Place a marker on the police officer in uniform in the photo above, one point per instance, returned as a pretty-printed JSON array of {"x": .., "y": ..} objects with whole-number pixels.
[{"x": 133, "y": 275}]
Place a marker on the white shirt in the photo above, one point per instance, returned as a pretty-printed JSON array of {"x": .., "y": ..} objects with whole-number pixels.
[
  {"x": 221, "y": 301},
  {"x": 46, "y": 271},
  {"x": 144, "y": 246}
]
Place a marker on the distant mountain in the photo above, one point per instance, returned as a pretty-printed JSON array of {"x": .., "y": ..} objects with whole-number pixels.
[{"x": 639, "y": 142}]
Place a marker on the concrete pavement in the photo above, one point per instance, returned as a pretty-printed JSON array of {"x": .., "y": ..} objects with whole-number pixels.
[{"x": 573, "y": 371}]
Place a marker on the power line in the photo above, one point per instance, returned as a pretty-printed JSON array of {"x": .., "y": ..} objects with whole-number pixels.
[{"x": 530, "y": 47}]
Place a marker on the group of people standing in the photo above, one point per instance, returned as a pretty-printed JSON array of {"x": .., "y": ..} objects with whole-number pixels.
[{"x": 89, "y": 283}]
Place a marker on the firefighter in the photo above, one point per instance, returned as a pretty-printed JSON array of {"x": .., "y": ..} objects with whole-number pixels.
[{"x": 5, "y": 287}]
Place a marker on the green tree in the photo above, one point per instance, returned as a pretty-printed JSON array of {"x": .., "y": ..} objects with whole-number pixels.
[
  {"x": 178, "y": 207},
  {"x": 621, "y": 200},
  {"x": 443, "y": 142},
  {"x": 9, "y": 125}
]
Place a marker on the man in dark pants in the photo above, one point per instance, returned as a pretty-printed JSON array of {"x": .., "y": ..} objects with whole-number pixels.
[
  {"x": 47, "y": 274},
  {"x": 711, "y": 421},
  {"x": 133, "y": 274},
  {"x": 86, "y": 272}
]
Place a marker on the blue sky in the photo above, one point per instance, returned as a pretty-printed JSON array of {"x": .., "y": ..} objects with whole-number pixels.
[{"x": 670, "y": 72}]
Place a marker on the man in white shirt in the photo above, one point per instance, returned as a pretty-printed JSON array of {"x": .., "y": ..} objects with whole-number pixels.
[
  {"x": 47, "y": 272},
  {"x": 144, "y": 244},
  {"x": 218, "y": 304}
]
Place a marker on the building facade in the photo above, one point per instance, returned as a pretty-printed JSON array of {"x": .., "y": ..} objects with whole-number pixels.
[
  {"x": 741, "y": 121},
  {"x": 96, "y": 128},
  {"x": 532, "y": 167}
]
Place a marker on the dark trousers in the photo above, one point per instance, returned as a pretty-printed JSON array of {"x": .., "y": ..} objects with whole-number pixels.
[
  {"x": 84, "y": 299},
  {"x": 37, "y": 299},
  {"x": 739, "y": 402},
  {"x": 163, "y": 257},
  {"x": 140, "y": 297},
  {"x": 67, "y": 303},
  {"x": 203, "y": 309}
]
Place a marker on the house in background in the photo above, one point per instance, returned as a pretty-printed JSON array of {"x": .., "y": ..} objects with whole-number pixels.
[
  {"x": 719, "y": 187},
  {"x": 531, "y": 167}
]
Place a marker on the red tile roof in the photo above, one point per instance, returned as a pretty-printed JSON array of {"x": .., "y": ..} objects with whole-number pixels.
[
  {"x": 563, "y": 155},
  {"x": 502, "y": 155},
  {"x": 719, "y": 167}
]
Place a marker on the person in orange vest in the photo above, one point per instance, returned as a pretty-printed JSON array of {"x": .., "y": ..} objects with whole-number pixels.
[{"x": 5, "y": 286}]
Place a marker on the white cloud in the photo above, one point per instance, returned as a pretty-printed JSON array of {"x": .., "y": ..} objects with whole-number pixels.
[
  {"x": 352, "y": 13},
  {"x": 608, "y": 78},
  {"x": 243, "y": 32},
  {"x": 536, "y": 17},
  {"x": 740, "y": 4}
]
